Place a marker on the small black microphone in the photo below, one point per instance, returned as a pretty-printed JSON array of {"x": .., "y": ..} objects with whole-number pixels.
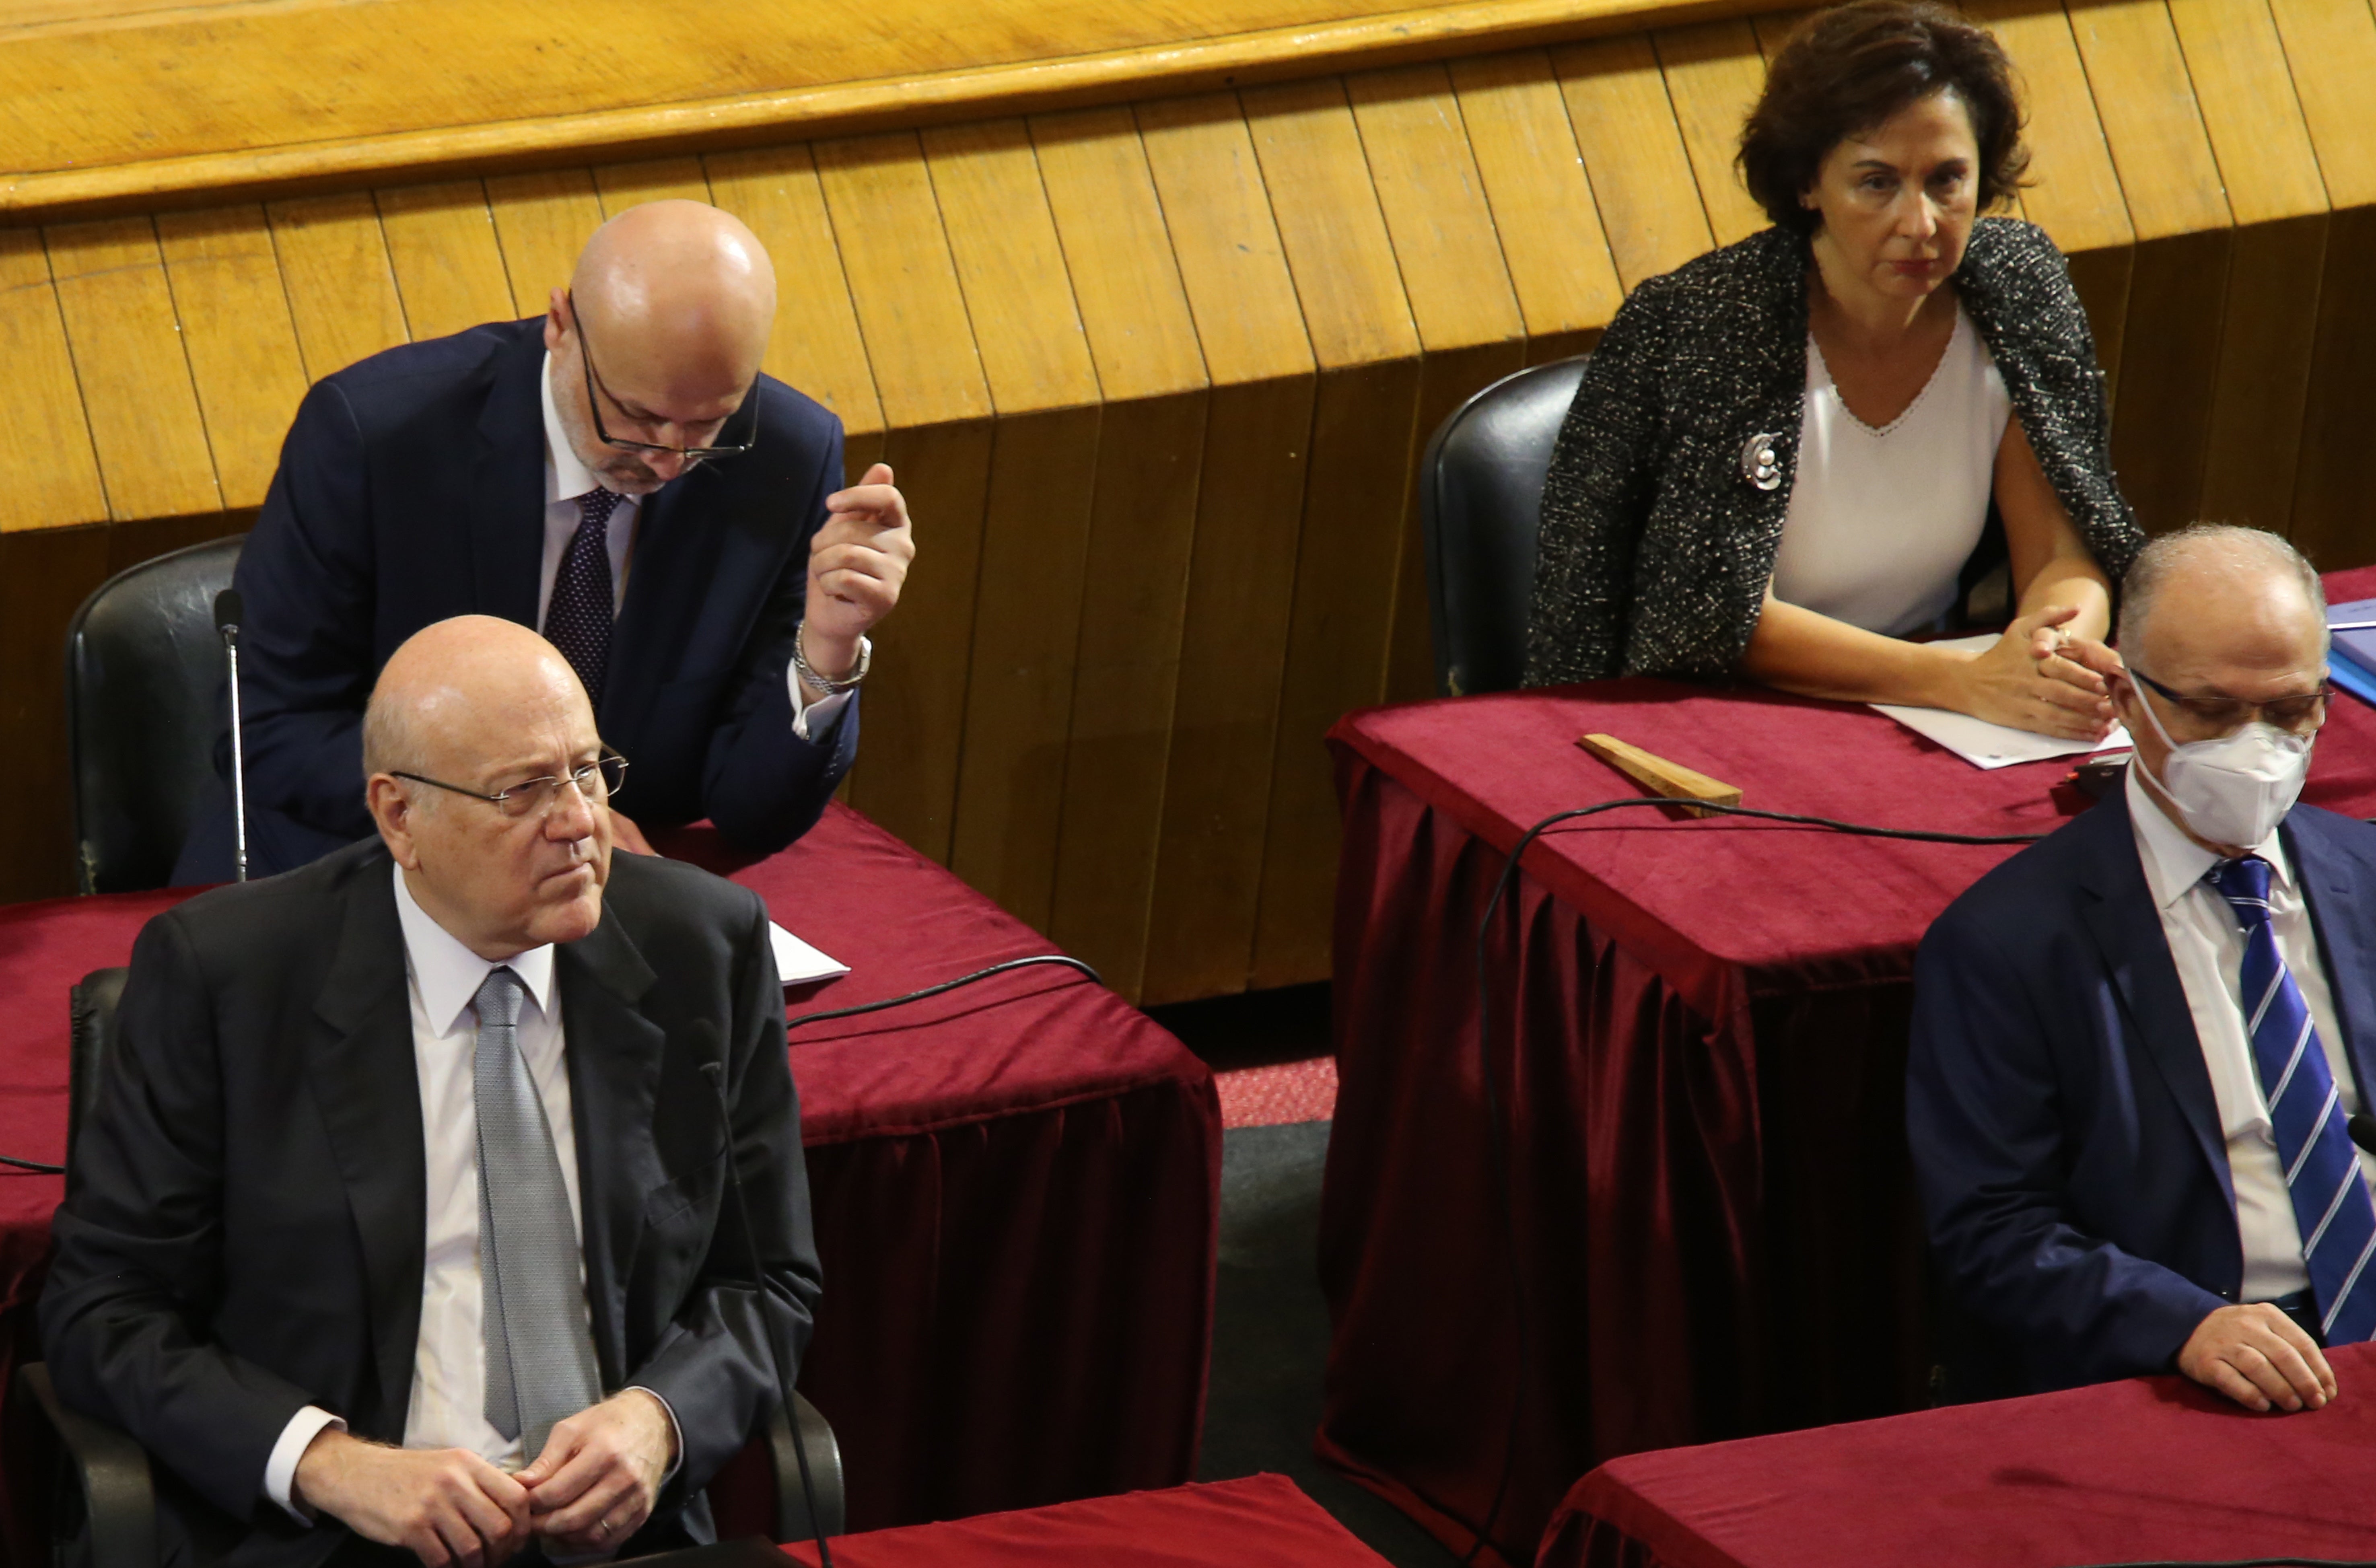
[
  {"x": 2363, "y": 1129},
  {"x": 716, "y": 1073},
  {"x": 227, "y": 614}
]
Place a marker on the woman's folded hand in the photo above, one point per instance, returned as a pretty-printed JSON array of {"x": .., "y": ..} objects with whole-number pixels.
[{"x": 2040, "y": 678}]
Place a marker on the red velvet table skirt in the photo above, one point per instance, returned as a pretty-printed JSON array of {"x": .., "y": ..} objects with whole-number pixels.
[
  {"x": 1698, "y": 1044},
  {"x": 1258, "y": 1522},
  {"x": 2152, "y": 1468},
  {"x": 1016, "y": 1185}
]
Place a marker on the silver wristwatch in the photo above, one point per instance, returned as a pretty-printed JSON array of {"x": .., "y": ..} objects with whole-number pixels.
[{"x": 807, "y": 671}]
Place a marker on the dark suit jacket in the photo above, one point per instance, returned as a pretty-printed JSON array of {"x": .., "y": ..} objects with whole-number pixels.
[
  {"x": 245, "y": 1216},
  {"x": 411, "y": 489},
  {"x": 2072, "y": 1163}
]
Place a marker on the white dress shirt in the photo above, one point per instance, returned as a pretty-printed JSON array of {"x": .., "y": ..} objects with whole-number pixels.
[
  {"x": 449, "y": 1361},
  {"x": 2208, "y": 948},
  {"x": 1880, "y": 522},
  {"x": 566, "y": 482}
]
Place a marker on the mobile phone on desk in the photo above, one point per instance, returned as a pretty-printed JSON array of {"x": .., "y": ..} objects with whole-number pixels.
[{"x": 2100, "y": 775}]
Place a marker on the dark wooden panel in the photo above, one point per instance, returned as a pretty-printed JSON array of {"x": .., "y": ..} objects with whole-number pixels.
[
  {"x": 1225, "y": 721},
  {"x": 2169, "y": 357},
  {"x": 2267, "y": 336},
  {"x": 2334, "y": 506}
]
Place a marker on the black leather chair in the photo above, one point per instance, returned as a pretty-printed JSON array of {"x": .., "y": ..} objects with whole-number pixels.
[
  {"x": 144, "y": 704},
  {"x": 104, "y": 1514},
  {"x": 1480, "y": 510}
]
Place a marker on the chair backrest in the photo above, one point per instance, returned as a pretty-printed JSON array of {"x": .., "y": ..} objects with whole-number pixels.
[
  {"x": 91, "y": 1008},
  {"x": 145, "y": 703},
  {"x": 1480, "y": 510}
]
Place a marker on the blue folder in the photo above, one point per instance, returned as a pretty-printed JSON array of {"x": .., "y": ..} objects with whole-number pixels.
[{"x": 2351, "y": 663}]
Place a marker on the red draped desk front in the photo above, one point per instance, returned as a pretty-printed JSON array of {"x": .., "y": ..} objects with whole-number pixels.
[
  {"x": 1015, "y": 1185},
  {"x": 1258, "y": 1522},
  {"x": 2149, "y": 1469},
  {"x": 1699, "y": 1045}
]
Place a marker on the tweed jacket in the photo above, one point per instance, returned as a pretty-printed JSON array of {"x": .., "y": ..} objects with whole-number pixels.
[{"x": 1656, "y": 545}]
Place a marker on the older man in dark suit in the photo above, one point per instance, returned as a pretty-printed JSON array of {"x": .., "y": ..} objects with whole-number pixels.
[
  {"x": 2138, "y": 1045},
  {"x": 617, "y": 474},
  {"x": 397, "y": 1225}
]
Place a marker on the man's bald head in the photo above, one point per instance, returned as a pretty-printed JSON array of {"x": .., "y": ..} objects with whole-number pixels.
[
  {"x": 489, "y": 709},
  {"x": 2215, "y": 594},
  {"x": 658, "y": 340},
  {"x": 678, "y": 284},
  {"x": 456, "y": 677}
]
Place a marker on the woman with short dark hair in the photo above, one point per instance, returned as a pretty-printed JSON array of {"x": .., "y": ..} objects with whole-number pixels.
[{"x": 1790, "y": 454}]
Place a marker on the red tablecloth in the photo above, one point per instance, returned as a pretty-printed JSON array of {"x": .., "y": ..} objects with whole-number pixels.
[
  {"x": 2150, "y": 1469},
  {"x": 1016, "y": 1185},
  {"x": 1259, "y": 1522},
  {"x": 1699, "y": 1036}
]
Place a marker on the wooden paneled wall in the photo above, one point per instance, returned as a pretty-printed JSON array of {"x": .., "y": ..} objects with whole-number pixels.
[{"x": 1155, "y": 376}]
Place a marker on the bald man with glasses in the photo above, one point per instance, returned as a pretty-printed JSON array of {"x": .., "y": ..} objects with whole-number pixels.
[
  {"x": 2138, "y": 1045},
  {"x": 618, "y": 475},
  {"x": 398, "y": 1231}
]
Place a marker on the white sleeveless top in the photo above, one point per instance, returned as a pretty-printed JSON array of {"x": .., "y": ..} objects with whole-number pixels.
[{"x": 1881, "y": 521}]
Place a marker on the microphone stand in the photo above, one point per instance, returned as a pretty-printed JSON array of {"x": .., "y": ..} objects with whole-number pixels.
[
  {"x": 716, "y": 1073},
  {"x": 227, "y": 618},
  {"x": 752, "y": 1552}
]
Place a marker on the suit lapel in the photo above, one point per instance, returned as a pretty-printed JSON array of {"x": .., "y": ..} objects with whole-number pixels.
[
  {"x": 369, "y": 1091},
  {"x": 613, "y": 1055},
  {"x": 2330, "y": 868},
  {"x": 2117, "y": 905},
  {"x": 507, "y": 495}
]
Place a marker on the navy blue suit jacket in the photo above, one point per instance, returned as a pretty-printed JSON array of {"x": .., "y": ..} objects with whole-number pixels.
[
  {"x": 2072, "y": 1167},
  {"x": 411, "y": 489}
]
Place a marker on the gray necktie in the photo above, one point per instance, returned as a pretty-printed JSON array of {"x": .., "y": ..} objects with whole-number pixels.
[{"x": 540, "y": 1357}]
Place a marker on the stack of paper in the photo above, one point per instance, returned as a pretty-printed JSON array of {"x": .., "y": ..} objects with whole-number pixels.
[
  {"x": 1984, "y": 745},
  {"x": 798, "y": 962}
]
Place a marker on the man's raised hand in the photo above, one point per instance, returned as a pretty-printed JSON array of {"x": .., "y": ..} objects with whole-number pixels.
[
  {"x": 857, "y": 562},
  {"x": 447, "y": 1506}
]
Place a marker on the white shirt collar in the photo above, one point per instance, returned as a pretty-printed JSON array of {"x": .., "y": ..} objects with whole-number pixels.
[
  {"x": 2174, "y": 863},
  {"x": 449, "y": 974},
  {"x": 565, "y": 479}
]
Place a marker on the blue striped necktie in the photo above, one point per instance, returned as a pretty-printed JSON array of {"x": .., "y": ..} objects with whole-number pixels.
[{"x": 2330, "y": 1197}]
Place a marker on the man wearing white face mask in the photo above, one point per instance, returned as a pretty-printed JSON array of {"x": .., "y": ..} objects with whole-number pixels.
[{"x": 2137, "y": 1046}]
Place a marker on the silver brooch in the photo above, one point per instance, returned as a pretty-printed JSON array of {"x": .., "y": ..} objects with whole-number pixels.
[{"x": 1757, "y": 464}]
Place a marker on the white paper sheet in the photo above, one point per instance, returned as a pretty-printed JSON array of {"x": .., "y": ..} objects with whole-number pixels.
[
  {"x": 1984, "y": 745},
  {"x": 798, "y": 962}
]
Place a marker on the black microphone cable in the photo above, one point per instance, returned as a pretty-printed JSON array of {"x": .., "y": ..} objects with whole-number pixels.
[
  {"x": 1498, "y": 1134},
  {"x": 716, "y": 1073},
  {"x": 1063, "y": 959}
]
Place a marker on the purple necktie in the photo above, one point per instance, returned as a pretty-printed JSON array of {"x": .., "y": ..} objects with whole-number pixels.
[{"x": 578, "y": 622}]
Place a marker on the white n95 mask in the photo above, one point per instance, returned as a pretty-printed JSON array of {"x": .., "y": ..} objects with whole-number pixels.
[{"x": 2237, "y": 789}]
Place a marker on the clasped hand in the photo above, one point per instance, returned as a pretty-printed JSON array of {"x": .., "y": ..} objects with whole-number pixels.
[
  {"x": 2040, "y": 678},
  {"x": 592, "y": 1488}
]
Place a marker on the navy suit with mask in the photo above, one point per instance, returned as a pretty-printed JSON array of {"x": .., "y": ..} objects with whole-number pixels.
[
  {"x": 2068, "y": 1146},
  {"x": 412, "y": 490}
]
